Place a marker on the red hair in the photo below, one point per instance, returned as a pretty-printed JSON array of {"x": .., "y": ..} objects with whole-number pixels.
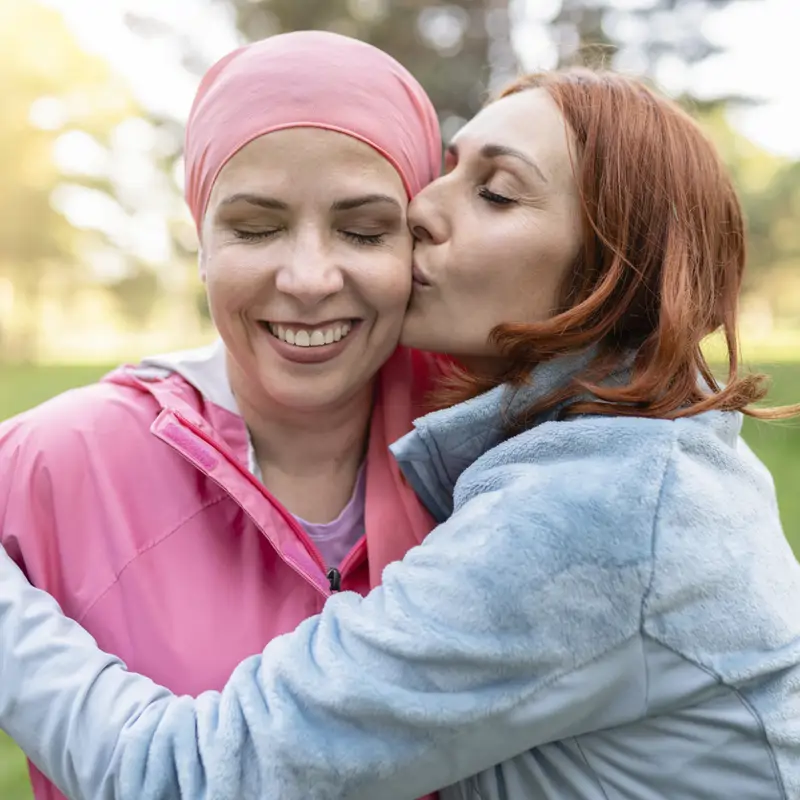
[{"x": 661, "y": 264}]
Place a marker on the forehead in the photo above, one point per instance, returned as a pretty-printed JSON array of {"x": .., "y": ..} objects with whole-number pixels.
[
  {"x": 528, "y": 121},
  {"x": 297, "y": 158}
]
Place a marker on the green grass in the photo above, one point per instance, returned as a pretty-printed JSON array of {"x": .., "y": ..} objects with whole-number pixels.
[
  {"x": 14, "y": 783},
  {"x": 777, "y": 444},
  {"x": 22, "y": 387}
]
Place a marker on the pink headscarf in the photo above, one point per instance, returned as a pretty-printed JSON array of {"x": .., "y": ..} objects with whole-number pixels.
[{"x": 309, "y": 79}]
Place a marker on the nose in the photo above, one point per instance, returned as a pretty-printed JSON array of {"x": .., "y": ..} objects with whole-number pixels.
[
  {"x": 309, "y": 272},
  {"x": 426, "y": 217}
]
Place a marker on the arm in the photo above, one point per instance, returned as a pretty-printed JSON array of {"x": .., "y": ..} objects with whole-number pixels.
[{"x": 508, "y": 628}]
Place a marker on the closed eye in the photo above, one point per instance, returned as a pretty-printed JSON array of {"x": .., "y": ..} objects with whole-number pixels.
[
  {"x": 254, "y": 236},
  {"x": 368, "y": 239},
  {"x": 492, "y": 197}
]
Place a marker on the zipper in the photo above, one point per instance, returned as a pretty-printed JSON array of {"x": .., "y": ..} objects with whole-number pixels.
[
  {"x": 334, "y": 579},
  {"x": 287, "y": 517},
  {"x": 335, "y": 575}
]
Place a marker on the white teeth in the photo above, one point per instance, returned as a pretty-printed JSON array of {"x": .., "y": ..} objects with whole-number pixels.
[{"x": 314, "y": 338}]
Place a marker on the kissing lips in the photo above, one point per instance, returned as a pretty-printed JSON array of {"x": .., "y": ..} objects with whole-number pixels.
[{"x": 419, "y": 277}]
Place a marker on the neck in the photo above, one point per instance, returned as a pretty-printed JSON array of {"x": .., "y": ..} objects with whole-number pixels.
[{"x": 305, "y": 443}]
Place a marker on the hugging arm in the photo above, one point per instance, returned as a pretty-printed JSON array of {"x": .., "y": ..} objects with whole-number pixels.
[{"x": 477, "y": 647}]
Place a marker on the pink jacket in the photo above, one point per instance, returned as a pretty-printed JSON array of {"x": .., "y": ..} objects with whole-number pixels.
[{"x": 131, "y": 502}]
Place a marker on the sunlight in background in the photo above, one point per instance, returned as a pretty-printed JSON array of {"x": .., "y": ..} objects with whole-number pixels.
[
  {"x": 761, "y": 37},
  {"x": 151, "y": 65},
  {"x": 757, "y": 38}
]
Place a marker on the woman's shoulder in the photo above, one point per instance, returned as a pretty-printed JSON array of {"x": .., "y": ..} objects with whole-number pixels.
[
  {"x": 582, "y": 457},
  {"x": 575, "y": 495},
  {"x": 627, "y": 474},
  {"x": 622, "y": 450},
  {"x": 688, "y": 494},
  {"x": 113, "y": 413}
]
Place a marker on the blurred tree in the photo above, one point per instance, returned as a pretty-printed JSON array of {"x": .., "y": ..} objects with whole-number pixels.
[
  {"x": 55, "y": 97},
  {"x": 769, "y": 188},
  {"x": 773, "y": 211},
  {"x": 639, "y": 36},
  {"x": 457, "y": 49},
  {"x": 462, "y": 50},
  {"x": 136, "y": 293}
]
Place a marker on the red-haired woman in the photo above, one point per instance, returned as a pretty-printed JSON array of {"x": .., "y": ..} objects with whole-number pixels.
[{"x": 608, "y": 608}]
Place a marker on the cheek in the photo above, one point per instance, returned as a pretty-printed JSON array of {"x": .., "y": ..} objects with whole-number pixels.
[
  {"x": 232, "y": 277},
  {"x": 386, "y": 283},
  {"x": 476, "y": 258},
  {"x": 510, "y": 271},
  {"x": 556, "y": 253},
  {"x": 543, "y": 270}
]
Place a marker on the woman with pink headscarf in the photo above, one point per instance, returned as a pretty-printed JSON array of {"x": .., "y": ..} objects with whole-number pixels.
[{"x": 189, "y": 509}]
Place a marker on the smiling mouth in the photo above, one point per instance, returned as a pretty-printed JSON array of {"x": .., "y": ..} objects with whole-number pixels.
[{"x": 310, "y": 337}]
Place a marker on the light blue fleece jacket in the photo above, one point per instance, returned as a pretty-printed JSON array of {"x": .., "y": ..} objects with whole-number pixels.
[{"x": 611, "y": 612}]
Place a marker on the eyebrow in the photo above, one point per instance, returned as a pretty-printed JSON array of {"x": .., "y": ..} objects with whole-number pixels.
[
  {"x": 365, "y": 200},
  {"x": 254, "y": 200},
  {"x": 346, "y": 204},
  {"x": 492, "y": 151}
]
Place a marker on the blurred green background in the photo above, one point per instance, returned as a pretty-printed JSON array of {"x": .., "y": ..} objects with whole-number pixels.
[{"x": 98, "y": 255}]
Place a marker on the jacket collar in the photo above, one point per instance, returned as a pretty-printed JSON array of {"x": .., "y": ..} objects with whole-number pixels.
[{"x": 444, "y": 443}]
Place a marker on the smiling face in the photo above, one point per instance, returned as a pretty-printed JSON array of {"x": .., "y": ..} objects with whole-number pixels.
[
  {"x": 305, "y": 256},
  {"x": 497, "y": 233}
]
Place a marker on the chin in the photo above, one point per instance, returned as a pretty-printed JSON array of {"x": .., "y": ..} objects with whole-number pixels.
[
  {"x": 304, "y": 396},
  {"x": 307, "y": 392}
]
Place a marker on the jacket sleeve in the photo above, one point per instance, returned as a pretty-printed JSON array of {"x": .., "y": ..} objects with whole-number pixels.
[
  {"x": 23, "y": 497},
  {"x": 30, "y": 445},
  {"x": 511, "y": 626}
]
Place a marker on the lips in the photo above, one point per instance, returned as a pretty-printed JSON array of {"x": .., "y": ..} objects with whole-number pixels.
[
  {"x": 307, "y": 344},
  {"x": 419, "y": 276},
  {"x": 311, "y": 336}
]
